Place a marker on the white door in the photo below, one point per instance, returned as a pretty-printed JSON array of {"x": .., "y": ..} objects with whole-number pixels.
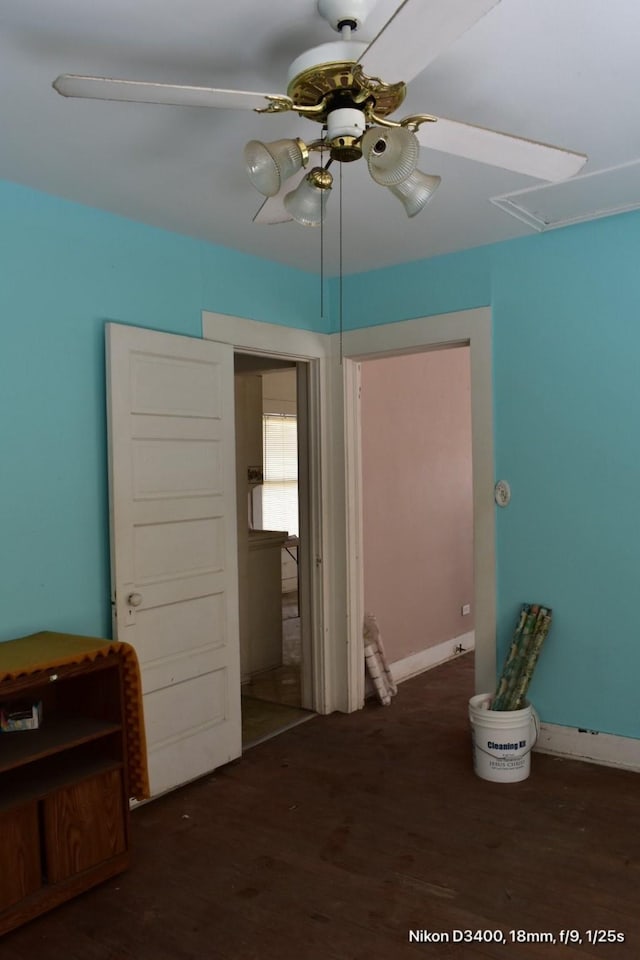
[{"x": 173, "y": 543}]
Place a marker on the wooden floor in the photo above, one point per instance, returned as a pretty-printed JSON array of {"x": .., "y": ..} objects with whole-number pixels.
[
  {"x": 262, "y": 720},
  {"x": 280, "y": 685},
  {"x": 334, "y": 840}
]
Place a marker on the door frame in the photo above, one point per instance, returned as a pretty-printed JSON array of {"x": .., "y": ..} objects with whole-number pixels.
[
  {"x": 326, "y": 523},
  {"x": 335, "y": 475},
  {"x": 471, "y": 328}
]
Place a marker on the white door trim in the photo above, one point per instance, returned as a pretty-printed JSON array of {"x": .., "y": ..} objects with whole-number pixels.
[
  {"x": 254, "y": 336},
  {"x": 472, "y": 327},
  {"x": 326, "y": 522}
]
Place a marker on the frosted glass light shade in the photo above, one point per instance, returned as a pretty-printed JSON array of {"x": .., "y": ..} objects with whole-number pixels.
[
  {"x": 306, "y": 204},
  {"x": 391, "y": 155},
  {"x": 270, "y": 164},
  {"x": 416, "y": 191}
]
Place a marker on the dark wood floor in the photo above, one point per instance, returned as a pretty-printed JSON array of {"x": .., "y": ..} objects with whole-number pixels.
[{"x": 334, "y": 840}]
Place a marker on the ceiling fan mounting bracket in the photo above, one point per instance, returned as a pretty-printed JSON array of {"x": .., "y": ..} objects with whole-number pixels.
[
  {"x": 276, "y": 104},
  {"x": 339, "y": 13},
  {"x": 412, "y": 122}
]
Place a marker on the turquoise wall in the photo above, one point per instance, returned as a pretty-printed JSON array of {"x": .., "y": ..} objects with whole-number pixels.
[
  {"x": 566, "y": 349},
  {"x": 65, "y": 270},
  {"x": 566, "y": 395}
]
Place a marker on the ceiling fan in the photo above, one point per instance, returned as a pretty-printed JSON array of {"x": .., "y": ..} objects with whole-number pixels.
[{"x": 338, "y": 85}]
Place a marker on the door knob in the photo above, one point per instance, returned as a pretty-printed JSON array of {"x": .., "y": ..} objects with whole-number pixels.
[{"x": 134, "y": 599}]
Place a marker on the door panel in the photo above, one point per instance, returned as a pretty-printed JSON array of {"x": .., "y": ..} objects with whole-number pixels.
[
  {"x": 201, "y": 624},
  {"x": 173, "y": 543},
  {"x": 180, "y": 548},
  {"x": 173, "y": 468}
]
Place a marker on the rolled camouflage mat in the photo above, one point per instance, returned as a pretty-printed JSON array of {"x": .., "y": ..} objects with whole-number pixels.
[
  {"x": 539, "y": 635},
  {"x": 509, "y": 670},
  {"x": 531, "y": 631}
]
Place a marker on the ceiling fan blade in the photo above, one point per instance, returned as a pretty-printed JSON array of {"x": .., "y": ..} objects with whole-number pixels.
[
  {"x": 107, "y": 88},
  {"x": 272, "y": 211},
  {"x": 501, "y": 150},
  {"x": 418, "y": 32}
]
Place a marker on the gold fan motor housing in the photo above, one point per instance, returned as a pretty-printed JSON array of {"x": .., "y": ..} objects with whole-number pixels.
[{"x": 343, "y": 84}]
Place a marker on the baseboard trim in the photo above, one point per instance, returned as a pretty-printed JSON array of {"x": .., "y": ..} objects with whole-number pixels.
[
  {"x": 607, "y": 749},
  {"x": 431, "y": 657},
  {"x": 573, "y": 743}
]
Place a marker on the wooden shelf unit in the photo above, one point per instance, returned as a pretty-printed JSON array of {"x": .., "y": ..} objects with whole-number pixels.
[{"x": 64, "y": 799}]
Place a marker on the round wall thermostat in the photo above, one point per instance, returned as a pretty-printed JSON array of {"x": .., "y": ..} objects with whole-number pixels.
[{"x": 502, "y": 493}]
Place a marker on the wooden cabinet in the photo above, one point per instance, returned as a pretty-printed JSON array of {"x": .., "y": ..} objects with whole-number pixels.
[
  {"x": 20, "y": 874},
  {"x": 64, "y": 799}
]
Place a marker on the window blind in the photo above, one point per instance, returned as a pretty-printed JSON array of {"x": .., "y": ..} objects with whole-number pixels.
[{"x": 280, "y": 489}]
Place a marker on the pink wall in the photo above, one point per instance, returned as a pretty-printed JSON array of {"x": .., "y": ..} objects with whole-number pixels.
[{"x": 417, "y": 497}]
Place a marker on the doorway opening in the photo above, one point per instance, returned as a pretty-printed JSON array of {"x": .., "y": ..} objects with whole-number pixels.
[
  {"x": 470, "y": 328},
  {"x": 417, "y": 505},
  {"x": 272, "y": 502}
]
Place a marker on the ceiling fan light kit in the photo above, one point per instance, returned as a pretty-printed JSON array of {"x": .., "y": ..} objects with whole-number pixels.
[
  {"x": 391, "y": 155},
  {"x": 328, "y": 84},
  {"x": 345, "y": 126},
  {"x": 306, "y": 204},
  {"x": 270, "y": 164},
  {"x": 416, "y": 191}
]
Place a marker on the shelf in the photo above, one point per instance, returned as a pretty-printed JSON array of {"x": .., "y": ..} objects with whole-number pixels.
[
  {"x": 64, "y": 788},
  {"x": 27, "y": 746}
]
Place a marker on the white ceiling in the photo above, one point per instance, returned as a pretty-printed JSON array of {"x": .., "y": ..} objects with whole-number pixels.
[{"x": 565, "y": 72}]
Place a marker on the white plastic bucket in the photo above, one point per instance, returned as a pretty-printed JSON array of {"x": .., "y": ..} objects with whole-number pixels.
[{"x": 502, "y": 740}]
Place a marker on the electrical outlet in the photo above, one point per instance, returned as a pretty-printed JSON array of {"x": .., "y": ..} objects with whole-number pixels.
[{"x": 465, "y": 609}]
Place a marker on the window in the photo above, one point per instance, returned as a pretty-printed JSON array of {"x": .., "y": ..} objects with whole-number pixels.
[{"x": 280, "y": 490}]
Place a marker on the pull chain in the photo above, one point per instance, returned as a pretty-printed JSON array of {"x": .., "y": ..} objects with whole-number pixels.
[
  {"x": 321, "y": 248},
  {"x": 340, "y": 263}
]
